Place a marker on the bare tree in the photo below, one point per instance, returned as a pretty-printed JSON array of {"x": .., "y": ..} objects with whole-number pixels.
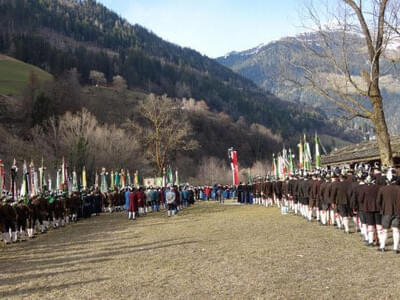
[
  {"x": 84, "y": 142},
  {"x": 119, "y": 83},
  {"x": 97, "y": 78},
  {"x": 351, "y": 33},
  {"x": 164, "y": 129},
  {"x": 212, "y": 170}
]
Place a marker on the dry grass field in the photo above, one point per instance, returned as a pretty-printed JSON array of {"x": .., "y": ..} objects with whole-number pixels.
[{"x": 207, "y": 251}]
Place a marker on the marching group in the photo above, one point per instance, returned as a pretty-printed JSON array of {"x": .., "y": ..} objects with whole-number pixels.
[
  {"x": 366, "y": 197},
  {"x": 29, "y": 216}
]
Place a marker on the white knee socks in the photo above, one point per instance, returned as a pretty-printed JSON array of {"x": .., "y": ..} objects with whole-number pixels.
[
  {"x": 332, "y": 216},
  {"x": 346, "y": 224},
  {"x": 371, "y": 231},
  {"x": 396, "y": 238},
  {"x": 382, "y": 239},
  {"x": 323, "y": 217}
]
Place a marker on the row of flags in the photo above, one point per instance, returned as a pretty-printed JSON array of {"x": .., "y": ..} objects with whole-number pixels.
[
  {"x": 283, "y": 163},
  {"x": 35, "y": 180}
]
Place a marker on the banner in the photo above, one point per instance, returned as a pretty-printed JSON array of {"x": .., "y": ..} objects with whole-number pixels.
[
  {"x": 136, "y": 179},
  {"x": 112, "y": 180},
  {"x": 170, "y": 177},
  {"x": 96, "y": 180},
  {"x": 149, "y": 182},
  {"x": 317, "y": 153},
  {"x": 84, "y": 181},
  {"x": 164, "y": 179},
  {"x": 25, "y": 181},
  {"x": 2, "y": 177},
  {"x": 13, "y": 188},
  {"x": 74, "y": 181},
  {"x": 307, "y": 155},
  {"x": 301, "y": 158},
  {"x": 128, "y": 178},
  {"x": 103, "y": 181},
  {"x": 159, "y": 181},
  {"x": 123, "y": 178},
  {"x": 234, "y": 165},
  {"x": 177, "y": 178},
  {"x": 32, "y": 179},
  {"x": 49, "y": 186}
]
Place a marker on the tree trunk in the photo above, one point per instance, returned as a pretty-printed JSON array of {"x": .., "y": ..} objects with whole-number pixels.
[{"x": 382, "y": 133}]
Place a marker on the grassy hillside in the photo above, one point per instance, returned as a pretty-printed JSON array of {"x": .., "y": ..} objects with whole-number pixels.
[{"x": 14, "y": 75}]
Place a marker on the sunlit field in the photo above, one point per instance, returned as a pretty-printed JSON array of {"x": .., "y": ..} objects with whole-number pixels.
[{"x": 206, "y": 251}]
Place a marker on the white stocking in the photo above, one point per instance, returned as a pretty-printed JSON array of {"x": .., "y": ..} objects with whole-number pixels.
[
  {"x": 365, "y": 231},
  {"x": 396, "y": 238},
  {"x": 371, "y": 231},
  {"x": 382, "y": 239},
  {"x": 346, "y": 224}
]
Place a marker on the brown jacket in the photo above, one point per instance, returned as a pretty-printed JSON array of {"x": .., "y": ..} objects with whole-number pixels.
[
  {"x": 388, "y": 200},
  {"x": 367, "y": 197}
]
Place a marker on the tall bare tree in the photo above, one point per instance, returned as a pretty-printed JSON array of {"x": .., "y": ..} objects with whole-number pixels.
[
  {"x": 164, "y": 129},
  {"x": 341, "y": 36}
]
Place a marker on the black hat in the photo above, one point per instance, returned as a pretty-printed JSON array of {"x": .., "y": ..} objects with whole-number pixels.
[{"x": 376, "y": 166}]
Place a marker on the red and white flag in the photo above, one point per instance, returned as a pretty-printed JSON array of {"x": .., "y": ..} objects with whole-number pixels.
[{"x": 234, "y": 166}]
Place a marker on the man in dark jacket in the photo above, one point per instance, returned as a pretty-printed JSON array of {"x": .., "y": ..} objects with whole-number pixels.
[
  {"x": 368, "y": 194},
  {"x": 324, "y": 209},
  {"x": 314, "y": 196},
  {"x": 305, "y": 191},
  {"x": 388, "y": 203},
  {"x": 278, "y": 192},
  {"x": 342, "y": 202},
  {"x": 268, "y": 192}
]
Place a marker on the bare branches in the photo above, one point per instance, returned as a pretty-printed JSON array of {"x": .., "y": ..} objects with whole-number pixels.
[
  {"x": 165, "y": 129},
  {"x": 343, "y": 57}
]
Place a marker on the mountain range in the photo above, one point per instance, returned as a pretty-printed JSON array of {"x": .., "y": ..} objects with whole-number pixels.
[{"x": 262, "y": 64}]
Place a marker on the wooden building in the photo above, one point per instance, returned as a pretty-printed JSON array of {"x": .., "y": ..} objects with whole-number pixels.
[{"x": 366, "y": 152}]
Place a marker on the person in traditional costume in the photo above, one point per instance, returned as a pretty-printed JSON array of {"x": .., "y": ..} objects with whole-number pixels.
[
  {"x": 388, "y": 203},
  {"x": 170, "y": 198},
  {"x": 133, "y": 205}
]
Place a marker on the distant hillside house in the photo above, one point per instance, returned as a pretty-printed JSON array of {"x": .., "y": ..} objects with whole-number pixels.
[{"x": 366, "y": 152}]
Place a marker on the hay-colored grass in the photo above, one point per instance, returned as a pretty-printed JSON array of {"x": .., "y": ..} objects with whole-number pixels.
[{"x": 206, "y": 251}]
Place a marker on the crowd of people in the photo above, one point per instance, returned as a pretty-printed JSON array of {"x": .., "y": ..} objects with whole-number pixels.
[
  {"x": 365, "y": 197},
  {"x": 217, "y": 192},
  {"x": 32, "y": 215}
]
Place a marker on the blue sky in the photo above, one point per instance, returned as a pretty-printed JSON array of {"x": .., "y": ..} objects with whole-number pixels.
[{"x": 213, "y": 27}]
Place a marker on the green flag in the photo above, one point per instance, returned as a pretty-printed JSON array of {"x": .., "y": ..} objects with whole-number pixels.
[
  {"x": 307, "y": 155},
  {"x": 176, "y": 178},
  {"x": 170, "y": 178},
  {"x": 317, "y": 152},
  {"x": 112, "y": 180},
  {"x": 250, "y": 179}
]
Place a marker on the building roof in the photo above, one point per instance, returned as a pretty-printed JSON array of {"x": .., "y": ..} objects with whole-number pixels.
[{"x": 362, "y": 152}]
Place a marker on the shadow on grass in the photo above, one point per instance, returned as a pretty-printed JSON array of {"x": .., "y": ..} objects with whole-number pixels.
[
  {"x": 101, "y": 255},
  {"x": 29, "y": 291},
  {"x": 18, "y": 279}
]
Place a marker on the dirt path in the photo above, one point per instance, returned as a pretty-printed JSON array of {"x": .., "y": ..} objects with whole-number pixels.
[{"x": 207, "y": 251}]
